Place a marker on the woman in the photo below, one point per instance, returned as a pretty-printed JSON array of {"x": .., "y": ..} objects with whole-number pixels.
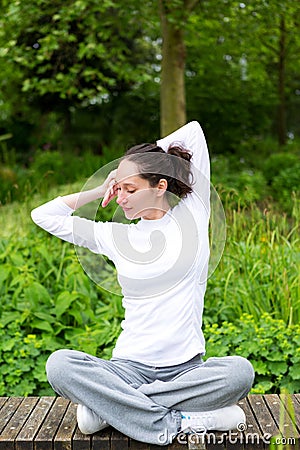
[{"x": 156, "y": 384}]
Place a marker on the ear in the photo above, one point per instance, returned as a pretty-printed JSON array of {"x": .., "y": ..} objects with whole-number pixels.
[{"x": 161, "y": 187}]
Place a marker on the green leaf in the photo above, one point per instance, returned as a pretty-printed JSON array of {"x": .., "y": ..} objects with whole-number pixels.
[
  {"x": 8, "y": 317},
  {"x": 277, "y": 368},
  {"x": 260, "y": 367},
  {"x": 295, "y": 372},
  {"x": 36, "y": 294},
  {"x": 63, "y": 302},
  {"x": 41, "y": 325}
]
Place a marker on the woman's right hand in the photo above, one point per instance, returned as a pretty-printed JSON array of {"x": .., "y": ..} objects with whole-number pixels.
[{"x": 110, "y": 188}]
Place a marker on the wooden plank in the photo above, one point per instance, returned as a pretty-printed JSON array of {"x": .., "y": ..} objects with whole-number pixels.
[
  {"x": 47, "y": 432},
  {"x": 3, "y": 400},
  {"x": 252, "y": 436},
  {"x": 137, "y": 445},
  {"x": 176, "y": 445},
  {"x": 64, "y": 435},
  {"x": 296, "y": 404},
  {"x": 118, "y": 441},
  {"x": 44, "y": 423},
  {"x": 196, "y": 441},
  {"x": 294, "y": 413},
  {"x": 263, "y": 417},
  {"x": 24, "y": 440},
  {"x": 16, "y": 423},
  {"x": 101, "y": 440},
  {"x": 216, "y": 440},
  {"x": 81, "y": 441},
  {"x": 281, "y": 417},
  {"x": 8, "y": 410}
]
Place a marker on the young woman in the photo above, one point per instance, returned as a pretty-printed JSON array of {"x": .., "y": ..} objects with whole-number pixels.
[{"x": 156, "y": 383}]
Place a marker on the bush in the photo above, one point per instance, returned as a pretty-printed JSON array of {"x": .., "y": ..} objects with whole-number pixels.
[
  {"x": 271, "y": 346},
  {"x": 47, "y": 303},
  {"x": 236, "y": 182},
  {"x": 277, "y": 162},
  {"x": 285, "y": 184}
]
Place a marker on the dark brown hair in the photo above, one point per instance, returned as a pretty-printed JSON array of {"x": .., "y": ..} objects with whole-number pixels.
[{"x": 154, "y": 164}]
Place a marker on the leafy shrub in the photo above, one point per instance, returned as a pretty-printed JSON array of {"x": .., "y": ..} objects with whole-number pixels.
[
  {"x": 271, "y": 346},
  {"x": 22, "y": 358},
  {"x": 277, "y": 162},
  {"x": 47, "y": 303},
  {"x": 48, "y": 168},
  {"x": 285, "y": 184},
  {"x": 237, "y": 185}
]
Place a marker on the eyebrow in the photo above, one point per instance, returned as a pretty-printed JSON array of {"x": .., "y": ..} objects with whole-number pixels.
[{"x": 126, "y": 184}]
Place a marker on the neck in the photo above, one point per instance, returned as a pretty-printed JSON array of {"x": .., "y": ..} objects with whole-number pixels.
[{"x": 156, "y": 213}]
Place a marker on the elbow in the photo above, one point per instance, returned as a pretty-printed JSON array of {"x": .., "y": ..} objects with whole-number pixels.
[{"x": 36, "y": 216}]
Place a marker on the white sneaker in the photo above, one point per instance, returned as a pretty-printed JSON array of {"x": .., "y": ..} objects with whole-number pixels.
[
  {"x": 223, "y": 419},
  {"x": 88, "y": 421}
]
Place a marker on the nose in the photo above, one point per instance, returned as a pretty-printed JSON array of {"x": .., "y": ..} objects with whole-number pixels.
[{"x": 122, "y": 198}]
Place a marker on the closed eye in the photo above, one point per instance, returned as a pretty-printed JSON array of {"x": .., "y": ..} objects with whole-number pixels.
[{"x": 128, "y": 190}]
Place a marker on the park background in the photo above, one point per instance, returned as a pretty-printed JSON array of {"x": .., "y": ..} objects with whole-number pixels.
[{"x": 83, "y": 80}]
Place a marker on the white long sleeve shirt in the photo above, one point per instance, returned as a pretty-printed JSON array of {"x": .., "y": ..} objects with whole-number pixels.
[{"x": 161, "y": 264}]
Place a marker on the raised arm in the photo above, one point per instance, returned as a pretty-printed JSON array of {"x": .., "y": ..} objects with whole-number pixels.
[
  {"x": 56, "y": 218},
  {"x": 191, "y": 137}
]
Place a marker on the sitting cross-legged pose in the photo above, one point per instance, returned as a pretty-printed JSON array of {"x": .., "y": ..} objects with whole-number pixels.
[{"x": 156, "y": 383}]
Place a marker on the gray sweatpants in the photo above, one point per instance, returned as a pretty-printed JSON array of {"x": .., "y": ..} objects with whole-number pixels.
[{"x": 144, "y": 402}]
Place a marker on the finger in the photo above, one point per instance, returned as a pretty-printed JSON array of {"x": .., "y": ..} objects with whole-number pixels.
[{"x": 109, "y": 195}]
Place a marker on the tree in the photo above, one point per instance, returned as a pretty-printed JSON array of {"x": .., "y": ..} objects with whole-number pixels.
[
  {"x": 242, "y": 70},
  {"x": 173, "y": 17},
  {"x": 65, "y": 55},
  {"x": 270, "y": 39},
  {"x": 79, "y": 50}
]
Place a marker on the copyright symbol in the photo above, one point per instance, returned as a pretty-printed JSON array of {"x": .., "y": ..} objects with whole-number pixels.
[{"x": 242, "y": 426}]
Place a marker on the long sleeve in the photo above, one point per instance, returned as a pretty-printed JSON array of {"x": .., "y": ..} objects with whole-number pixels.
[
  {"x": 191, "y": 137},
  {"x": 56, "y": 218}
]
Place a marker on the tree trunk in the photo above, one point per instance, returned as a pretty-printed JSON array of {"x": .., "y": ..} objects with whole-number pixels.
[
  {"x": 282, "y": 134},
  {"x": 172, "y": 92}
]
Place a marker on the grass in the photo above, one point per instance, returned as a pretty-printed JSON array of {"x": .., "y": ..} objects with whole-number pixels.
[{"x": 259, "y": 269}]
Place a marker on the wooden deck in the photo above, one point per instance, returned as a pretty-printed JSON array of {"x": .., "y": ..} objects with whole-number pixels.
[{"x": 50, "y": 423}]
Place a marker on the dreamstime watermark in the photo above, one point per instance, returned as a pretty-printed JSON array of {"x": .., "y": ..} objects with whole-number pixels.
[
  {"x": 188, "y": 242},
  {"x": 240, "y": 436}
]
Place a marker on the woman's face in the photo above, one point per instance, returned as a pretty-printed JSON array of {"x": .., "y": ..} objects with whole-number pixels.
[{"x": 134, "y": 193}]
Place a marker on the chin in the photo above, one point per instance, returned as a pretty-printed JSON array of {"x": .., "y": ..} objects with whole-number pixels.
[{"x": 130, "y": 215}]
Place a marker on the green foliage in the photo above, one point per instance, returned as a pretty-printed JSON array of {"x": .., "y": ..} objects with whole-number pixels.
[
  {"x": 277, "y": 162},
  {"x": 76, "y": 50},
  {"x": 259, "y": 270},
  {"x": 271, "y": 347},
  {"x": 22, "y": 358},
  {"x": 48, "y": 303},
  {"x": 286, "y": 183},
  {"x": 48, "y": 168},
  {"x": 268, "y": 178},
  {"x": 233, "y": 177},
  {"x": 97, "y": 58}
]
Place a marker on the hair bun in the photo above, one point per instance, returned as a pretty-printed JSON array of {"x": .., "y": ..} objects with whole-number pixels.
[{"x": 180, "y": 152}]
